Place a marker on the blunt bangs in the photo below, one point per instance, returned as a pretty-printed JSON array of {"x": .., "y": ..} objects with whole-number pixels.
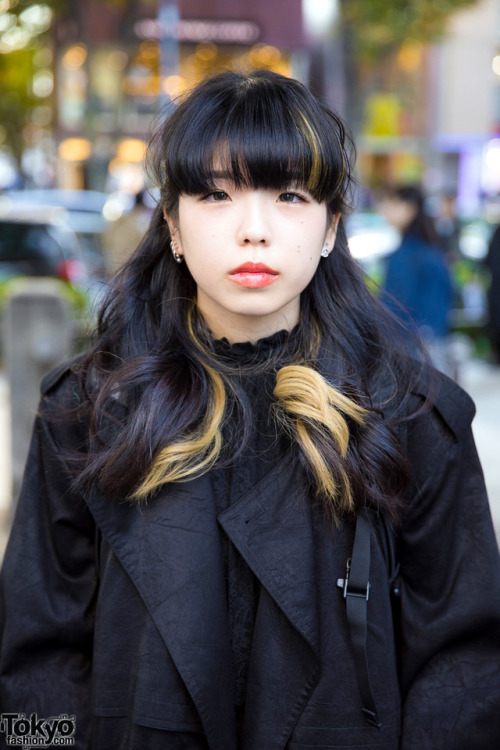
[{"x": 260, "y": 131}]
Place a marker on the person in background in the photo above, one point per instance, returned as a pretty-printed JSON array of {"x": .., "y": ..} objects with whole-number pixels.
[
  {"x": 447, "y": 226},
  {"x": 492, "y": 263},
  {"x": 124, "y": 235},
  {"x": 418, "y": 282}
]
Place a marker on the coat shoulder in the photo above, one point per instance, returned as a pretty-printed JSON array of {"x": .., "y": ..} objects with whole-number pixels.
[
  {"x": 438, "y": 435},
  {"x": 418, "y": 394},
  {"x": 449, "y": 401},
  {"x": 63, "y": 406},
  {"x": 56, "y": 378}
]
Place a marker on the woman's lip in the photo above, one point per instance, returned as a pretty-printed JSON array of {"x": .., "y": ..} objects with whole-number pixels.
[
  {"x": 253, "y": 275},
  {"x": 251, "y": 267},
  {"x": 253, "y": 279}
]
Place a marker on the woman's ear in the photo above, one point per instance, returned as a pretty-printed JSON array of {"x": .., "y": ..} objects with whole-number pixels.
[
  {"x": 331, "y": 232},
  {"x": 175, "y": 242},
  {"x": 170, "y": 221}
]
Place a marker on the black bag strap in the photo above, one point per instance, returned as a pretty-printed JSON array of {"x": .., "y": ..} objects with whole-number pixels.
[{"x": 356, "y": 586}]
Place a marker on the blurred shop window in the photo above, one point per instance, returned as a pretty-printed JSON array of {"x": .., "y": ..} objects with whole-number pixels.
[
  {"x": 106, "y": 71},
  {"x": 382, "y": 115},
  {"x": 141, "y": 87},
  {"x": 72, "y": 88}
]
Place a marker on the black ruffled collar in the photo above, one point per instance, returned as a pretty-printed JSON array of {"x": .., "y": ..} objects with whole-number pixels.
[{"x": 246, "y": 351}]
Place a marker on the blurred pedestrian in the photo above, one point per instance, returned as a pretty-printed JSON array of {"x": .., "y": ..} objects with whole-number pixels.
[
  {"x": 124, "y": 234},
  {"x": 447, "y": 226},
  {"x": 418, "y": 279},
  {"x": 221, "y": 491},
  {"x": 492, "y": 262}
]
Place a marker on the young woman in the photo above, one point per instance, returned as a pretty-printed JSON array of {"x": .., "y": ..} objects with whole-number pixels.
[{"x": 245, "y": 424}]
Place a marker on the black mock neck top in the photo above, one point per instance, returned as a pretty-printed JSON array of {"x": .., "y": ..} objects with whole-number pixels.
[{"x": 262, "y": 452}]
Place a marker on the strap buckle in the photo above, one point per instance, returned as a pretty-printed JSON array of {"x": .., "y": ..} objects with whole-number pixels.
[{"x": 343, "y": 583}]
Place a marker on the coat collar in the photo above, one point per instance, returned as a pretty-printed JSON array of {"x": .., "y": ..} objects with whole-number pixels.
[{"x": 171, "y": 551}]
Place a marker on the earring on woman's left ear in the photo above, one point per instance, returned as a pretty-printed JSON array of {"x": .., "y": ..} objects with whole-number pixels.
[{"x": 325, "y": 252}]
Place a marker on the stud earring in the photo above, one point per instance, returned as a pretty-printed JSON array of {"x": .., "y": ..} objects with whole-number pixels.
[
  {"x": 324, "y": 252},
  {"x": 178, "y": 258}
]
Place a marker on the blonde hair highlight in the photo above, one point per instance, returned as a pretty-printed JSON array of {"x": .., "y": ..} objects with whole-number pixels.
[
  {"x": 313, "y": 142},
  {"x": 195, "y": 454},
  {"x": 317, "y": 156},
  {"x": 198, "y": 452},
  {"x": 308, "y": 404}
]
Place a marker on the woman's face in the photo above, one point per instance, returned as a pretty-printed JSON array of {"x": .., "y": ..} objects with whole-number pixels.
[{"x": 251, "y": 253}]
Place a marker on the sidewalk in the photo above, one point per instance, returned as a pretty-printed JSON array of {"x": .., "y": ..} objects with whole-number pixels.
[
  {"x": 5, "y": 464},
  {"x": 481, "y": 380}
]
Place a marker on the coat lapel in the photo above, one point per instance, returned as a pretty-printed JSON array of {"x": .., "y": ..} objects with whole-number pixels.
[
  {"x": 171, "y": 551},
  {"x": 272, "y": 528}
]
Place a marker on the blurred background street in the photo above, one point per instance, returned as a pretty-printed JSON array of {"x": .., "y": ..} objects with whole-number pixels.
[{"x": 82, "y": 81}]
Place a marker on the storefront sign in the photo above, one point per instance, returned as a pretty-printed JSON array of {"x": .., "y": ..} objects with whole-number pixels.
[{"x": 228, "y": 32}]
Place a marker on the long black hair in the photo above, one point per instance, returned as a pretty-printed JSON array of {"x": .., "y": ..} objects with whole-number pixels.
[{"x": 153, "y": 354}]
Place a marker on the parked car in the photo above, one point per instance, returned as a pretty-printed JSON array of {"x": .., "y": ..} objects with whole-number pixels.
[
  {"x": 36, "y": 241},
  {"x": 80, "y": 211}
]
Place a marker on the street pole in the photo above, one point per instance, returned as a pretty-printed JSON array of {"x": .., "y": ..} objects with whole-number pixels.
[
  {"x": 168, "y": 18},
  {"x": 38, "y": 334}
]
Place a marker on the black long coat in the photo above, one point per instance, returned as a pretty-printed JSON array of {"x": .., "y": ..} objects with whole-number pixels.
[{"x": 118, "y": 615}]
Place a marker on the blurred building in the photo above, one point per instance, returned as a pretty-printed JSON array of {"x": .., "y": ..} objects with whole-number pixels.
[
  {"x": 426, "y": 113},
  {"x": 465, "y": 96},
  {"x": 433, "y": 113},
  {"x": 117, "y": 65}
]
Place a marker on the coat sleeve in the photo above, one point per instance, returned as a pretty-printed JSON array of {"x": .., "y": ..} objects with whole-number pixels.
[
  {"x": 47, "y": 594},
  {"x": 450, "y": 590}
]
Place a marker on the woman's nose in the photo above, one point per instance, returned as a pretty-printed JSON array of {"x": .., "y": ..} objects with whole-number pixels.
[{"x": 254, "y": 226}]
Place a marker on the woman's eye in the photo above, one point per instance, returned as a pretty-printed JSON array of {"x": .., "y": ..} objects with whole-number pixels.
[
  {"x": 216, "y": 196},
  {"x": 289, "y": 197}
]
